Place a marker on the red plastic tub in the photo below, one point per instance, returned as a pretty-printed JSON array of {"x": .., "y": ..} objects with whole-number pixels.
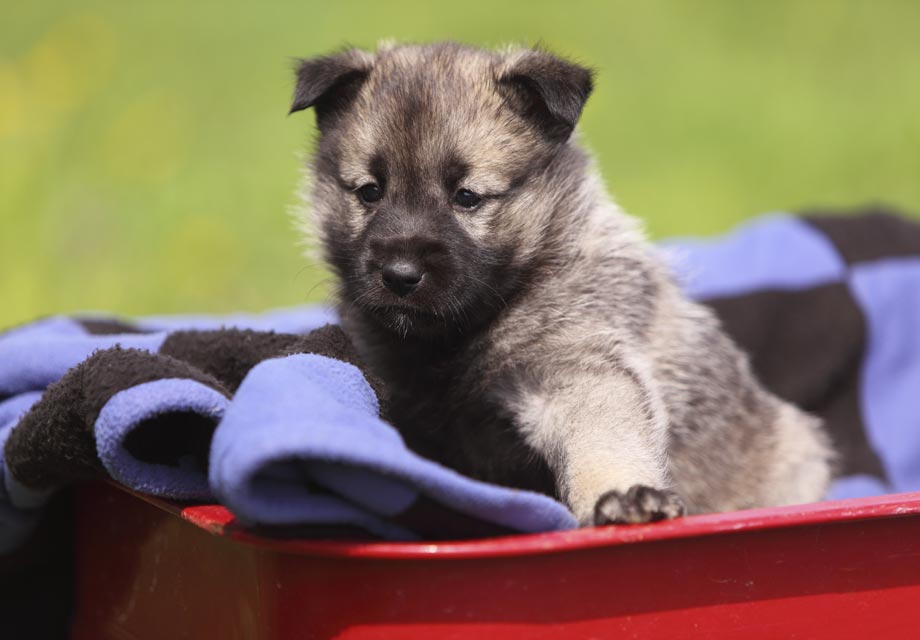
[{"x": 851, "y": 569}]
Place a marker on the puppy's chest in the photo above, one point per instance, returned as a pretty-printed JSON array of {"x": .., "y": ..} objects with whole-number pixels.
[
  {"x": 447, "y": 412},
  {"x": 441, "y": 401}
]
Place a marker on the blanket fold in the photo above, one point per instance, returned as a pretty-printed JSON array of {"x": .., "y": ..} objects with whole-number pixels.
[
  {"x": 86, "y": 418},
  {"x": 322, "y": 455}
]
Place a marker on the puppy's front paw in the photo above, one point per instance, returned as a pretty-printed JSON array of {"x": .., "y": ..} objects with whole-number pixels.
[{"x": 639, "y": 504}]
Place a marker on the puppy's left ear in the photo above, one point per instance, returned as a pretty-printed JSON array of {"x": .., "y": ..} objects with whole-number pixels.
[
  {"x": 547, "y": 89},
  {"x": 329, "y": 83}
]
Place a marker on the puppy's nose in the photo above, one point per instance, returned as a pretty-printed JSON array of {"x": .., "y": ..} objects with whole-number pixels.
[{"x": 402, "y": 277}]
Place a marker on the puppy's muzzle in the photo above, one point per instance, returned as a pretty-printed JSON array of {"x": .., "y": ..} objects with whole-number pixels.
[{"x": 404, "y": 261}]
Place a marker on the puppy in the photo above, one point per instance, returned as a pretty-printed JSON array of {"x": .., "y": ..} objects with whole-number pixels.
[{"x": 526, "y": 329}]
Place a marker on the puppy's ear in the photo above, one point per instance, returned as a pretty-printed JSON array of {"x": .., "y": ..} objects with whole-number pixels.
[
  {"x": 329, "y": 83},
  {"x": 547, "y": 89}
]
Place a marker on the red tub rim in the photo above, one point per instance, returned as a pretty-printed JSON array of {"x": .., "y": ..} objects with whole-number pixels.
[{"x": 217, "y": 520}]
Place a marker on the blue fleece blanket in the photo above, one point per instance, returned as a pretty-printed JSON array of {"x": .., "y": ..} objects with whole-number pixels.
[
  {"x": 299, "y": 439},
  {"x": 298, "y": 442}
]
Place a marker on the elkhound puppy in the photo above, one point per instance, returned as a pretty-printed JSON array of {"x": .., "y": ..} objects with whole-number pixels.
[{"x": 526, "y": 329}]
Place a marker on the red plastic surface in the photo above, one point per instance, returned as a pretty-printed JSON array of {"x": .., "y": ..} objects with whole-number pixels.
[{"x": 849, "y": 569}]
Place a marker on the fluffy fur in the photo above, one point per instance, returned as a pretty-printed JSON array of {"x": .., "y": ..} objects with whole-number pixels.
[{"x": 542, "y": 344}]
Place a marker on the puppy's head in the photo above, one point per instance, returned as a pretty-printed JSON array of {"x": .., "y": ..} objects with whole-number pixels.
[{"x": 434, "y": 179}]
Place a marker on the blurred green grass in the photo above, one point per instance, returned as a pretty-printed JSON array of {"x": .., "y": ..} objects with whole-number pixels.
[{"x": 147, "y": 165}]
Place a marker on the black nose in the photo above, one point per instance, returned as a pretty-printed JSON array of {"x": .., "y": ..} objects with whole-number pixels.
[{"x": 402, "y": 277}]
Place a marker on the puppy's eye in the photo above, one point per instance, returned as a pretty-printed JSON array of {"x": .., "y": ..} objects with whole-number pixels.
[
  {"x": 467, "y": 199},
  {"x": 370, "y": 193}
]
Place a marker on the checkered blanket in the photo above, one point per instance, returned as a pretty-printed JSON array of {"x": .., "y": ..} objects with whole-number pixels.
[{"x": 828, "y": 307}]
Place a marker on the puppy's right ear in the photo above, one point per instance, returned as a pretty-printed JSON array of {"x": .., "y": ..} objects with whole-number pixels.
[{"x": 329, "y": 83}]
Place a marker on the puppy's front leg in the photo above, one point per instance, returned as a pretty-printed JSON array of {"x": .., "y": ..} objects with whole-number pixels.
[{"x": 605, "y": 437}]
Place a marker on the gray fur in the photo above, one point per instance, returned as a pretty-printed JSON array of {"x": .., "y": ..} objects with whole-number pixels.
[{"x": 547, "y": 346}]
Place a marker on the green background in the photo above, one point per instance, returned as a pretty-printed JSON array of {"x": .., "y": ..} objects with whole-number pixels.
[{"x": 147, "y": 164}]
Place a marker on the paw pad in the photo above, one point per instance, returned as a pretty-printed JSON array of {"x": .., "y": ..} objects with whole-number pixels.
[{"x": 638, "y": 505}]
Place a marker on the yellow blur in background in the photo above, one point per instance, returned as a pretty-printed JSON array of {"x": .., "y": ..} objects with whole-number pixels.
[{"x": 147, "y": 164}]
